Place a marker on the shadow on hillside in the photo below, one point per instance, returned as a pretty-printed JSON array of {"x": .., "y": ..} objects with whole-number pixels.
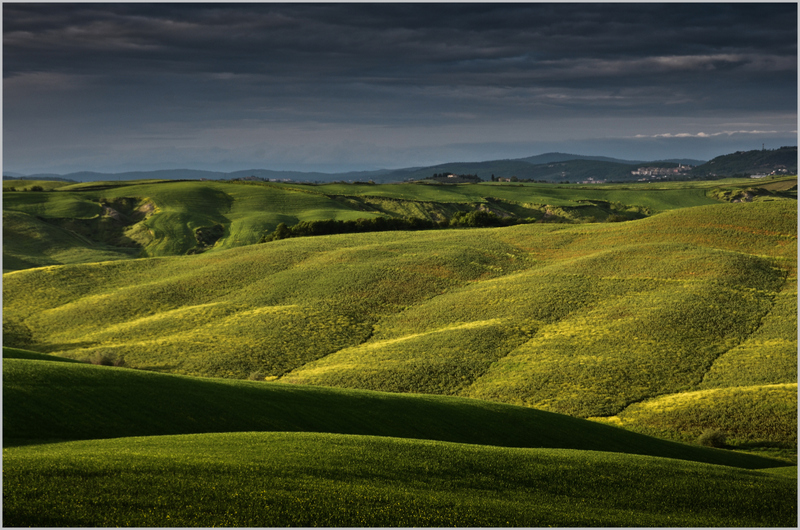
[
  {"x": 22, "y": 442},
  {"x": 55, "y": 347},
  {"x": 164, "y": 368},
  {"x": 748, "y": 446},
  {"x": 776, "y": 450}
]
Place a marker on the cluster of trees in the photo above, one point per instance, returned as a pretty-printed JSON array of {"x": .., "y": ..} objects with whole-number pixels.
[
  {"x": 32, "y": 188},
  {"x": 473, "y": 219},
  {"x": 451, "y": 178},
  {"x": 517, "y": 179}
]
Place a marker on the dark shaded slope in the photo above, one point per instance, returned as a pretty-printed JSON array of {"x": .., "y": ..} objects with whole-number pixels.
[{"x": 48, "y": 401}]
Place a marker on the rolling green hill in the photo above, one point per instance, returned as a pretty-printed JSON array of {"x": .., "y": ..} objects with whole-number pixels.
[
  {"x": 47, "y": 401},
  {"x": 104, "y": 221},
  {"x": 584, "y": 319},
  {"x": 310, "y": 479},
  {"x": 532, "y": 375},
  {"x": 335, "y": 457}
]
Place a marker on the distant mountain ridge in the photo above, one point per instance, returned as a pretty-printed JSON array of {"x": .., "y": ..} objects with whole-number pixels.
[
  {"x": 758, "y": 161},
  {"x": 549, "y": 158},
  {"x": 550, "y": 167}
]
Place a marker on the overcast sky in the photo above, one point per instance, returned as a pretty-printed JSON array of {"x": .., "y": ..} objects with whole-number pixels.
[{"x": 336, "y": 87}]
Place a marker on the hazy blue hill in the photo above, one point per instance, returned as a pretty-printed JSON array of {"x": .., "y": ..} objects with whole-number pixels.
[
  {"x": 559, "y": 168},
  {"x": 578, "y": 170},
  {"x": 504, "y": 168},
  {"x": 756, "y": 161},
  {"x": 45, "y": 176},
  {"x": 164, "y": 174},
  {"x": 380, "y": 175},
  {"x": 684, "y": 161},
  {"x": 520, "y": 167},
  {"x": 557, "y": 171},
  {"x": 549, "y": 158}
]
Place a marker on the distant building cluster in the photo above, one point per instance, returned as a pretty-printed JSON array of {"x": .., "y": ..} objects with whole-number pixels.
[
  {"x": 778, "y": 171},
  {"x": 592, "y": 180},
  {"x": 658, "y": 173}
]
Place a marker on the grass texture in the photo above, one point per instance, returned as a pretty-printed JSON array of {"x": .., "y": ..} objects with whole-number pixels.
[
  {"x": 579, "y": 319},
  {"x": 312, "y": 479},
  {"x": 341, "y": 372},
  {"x": 63, "y": 222},
  {"x": 766, "y": 413},
  {"x": 56, "y": 402}
]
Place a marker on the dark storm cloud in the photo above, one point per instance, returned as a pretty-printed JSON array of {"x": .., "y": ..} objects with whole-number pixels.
[
  {"x": 398, "y": 42},
  {"x": 160, "y": 65}
]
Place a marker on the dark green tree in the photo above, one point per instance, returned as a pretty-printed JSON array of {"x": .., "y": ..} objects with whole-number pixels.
[{"x": 281, "y": 231}]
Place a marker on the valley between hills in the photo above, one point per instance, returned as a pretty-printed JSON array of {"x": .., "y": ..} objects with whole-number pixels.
[{"x": 517, "y": 354}]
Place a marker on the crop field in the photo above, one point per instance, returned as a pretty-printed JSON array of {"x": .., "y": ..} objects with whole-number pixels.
[{"x": 567, "y": 343}]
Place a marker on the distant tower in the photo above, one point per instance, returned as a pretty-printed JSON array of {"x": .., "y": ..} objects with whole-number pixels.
[{"x": 762, "y": 147}]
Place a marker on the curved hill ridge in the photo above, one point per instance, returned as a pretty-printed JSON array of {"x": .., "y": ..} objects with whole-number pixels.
[
  {"x": 579, "y": 319},
  {"x": 47, "y": 401},
  {"x": 279, "y": 479},
  {"x": 84, "y": 223}
]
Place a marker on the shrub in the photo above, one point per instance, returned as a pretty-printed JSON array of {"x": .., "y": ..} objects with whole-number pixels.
[
  {"x": 16, "y": 334},
  {"x": 257, "y": 376},
  {"x": 107, "y": 359},
  {"x": 712, "y": 438}
]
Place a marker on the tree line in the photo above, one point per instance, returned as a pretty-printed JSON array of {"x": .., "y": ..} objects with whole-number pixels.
[{"x": 473, "y": 219}]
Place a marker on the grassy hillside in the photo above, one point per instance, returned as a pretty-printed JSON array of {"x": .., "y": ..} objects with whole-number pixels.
[
  {"x": 17, "y": 353},
  {"x": 758, "y": 412},
  {"x": 100, "y": 221},
  {"x": 307, "y": 479},
  {"x": 54, "y": 401},
  {"x": 341, "y": 372},
  {"x": 661, "y": 198},
  {"x": 350, "y": 458},
  {"x": 581, "y": 319},
  {"x": 27, "y": 184},
  {"x": 29, "y": 242}
]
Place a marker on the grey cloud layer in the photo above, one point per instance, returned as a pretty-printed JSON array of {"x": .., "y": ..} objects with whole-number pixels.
[
  {"x": 398, "y": 42},
  {"x": 151, "y": 67}
]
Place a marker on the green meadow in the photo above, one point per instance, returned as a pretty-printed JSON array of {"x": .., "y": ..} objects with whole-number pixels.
[
  {"x": 120, "y": 447},
  {"x": 569, "y": 371},
  {"x": 308, "y": 479},
  {"x": 67, "y": 223}
]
